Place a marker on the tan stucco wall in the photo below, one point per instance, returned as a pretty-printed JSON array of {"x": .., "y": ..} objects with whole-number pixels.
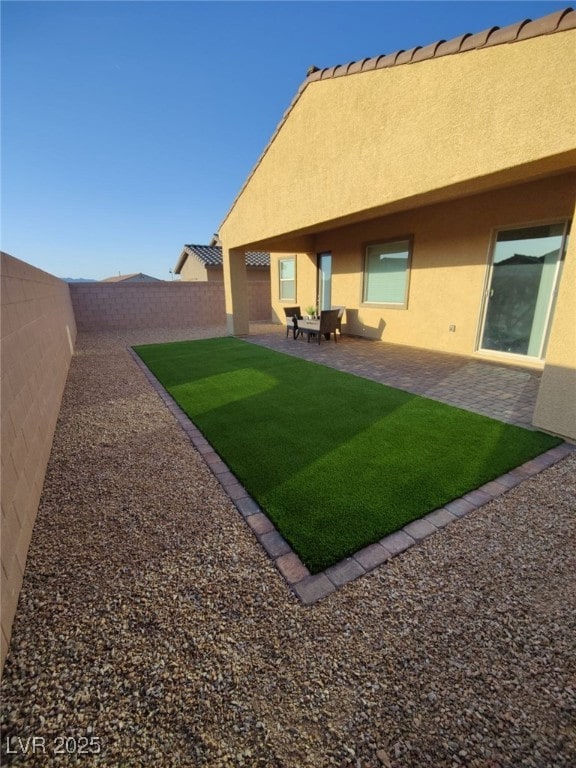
[
  {"x": 193, "y": 270},
  {"x": 556, "y": 404},
  {"x": 305, "y": 282},
  {"x": 450, "y": 262},
  {"x": 38, "y": 333},
  {"x": 253, "y": 274},
  {"x": 445, "y": 150},
  {"x": 442, "y": 127},
  {"x": 236, "y": 292}
]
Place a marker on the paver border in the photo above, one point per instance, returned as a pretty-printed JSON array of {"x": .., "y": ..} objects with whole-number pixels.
[{"x": 310, "y": 588}]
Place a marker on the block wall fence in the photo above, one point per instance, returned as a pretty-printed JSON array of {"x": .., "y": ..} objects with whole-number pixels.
[
  {"x": 40, "y": 318},
  {"x": 38, "y": 332},
  {"x": 109, "y": 306}
]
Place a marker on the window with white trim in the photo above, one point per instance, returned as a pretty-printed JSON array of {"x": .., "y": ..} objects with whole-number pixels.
[
  {"x": 386, "y": 268},
  {"x": 287, "y": 274}
]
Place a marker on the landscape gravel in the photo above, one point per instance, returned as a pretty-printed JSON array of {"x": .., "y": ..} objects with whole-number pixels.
[{"x": 152, "y": 629}]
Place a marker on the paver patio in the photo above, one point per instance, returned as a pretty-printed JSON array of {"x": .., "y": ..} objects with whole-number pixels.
[{"x": 502, "y": 391}]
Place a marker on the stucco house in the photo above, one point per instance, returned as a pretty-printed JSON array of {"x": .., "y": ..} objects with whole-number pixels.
[
  {"x": 205, "y": 263},
  {"x": 435, "y": 203}
]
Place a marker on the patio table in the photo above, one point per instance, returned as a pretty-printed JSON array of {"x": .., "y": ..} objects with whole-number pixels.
[{"x": 312, "y": 326}]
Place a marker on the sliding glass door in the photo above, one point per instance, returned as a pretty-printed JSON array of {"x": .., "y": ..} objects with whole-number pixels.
[{"x": 520, "y": 299}]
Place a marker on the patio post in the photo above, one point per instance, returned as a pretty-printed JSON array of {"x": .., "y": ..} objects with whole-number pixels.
[
  {"x": 556, "y": 403},
  {"x": 235, "y": 291}
]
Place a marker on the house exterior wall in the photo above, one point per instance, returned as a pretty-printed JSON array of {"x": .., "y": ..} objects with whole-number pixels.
[
  {"x": 193, "y": 270},
  {"x": 556, "y": 404},
  {"x": 306, "y": 279},
  {"x": 451, "y": 258},
  {"x": 413, "y": 134},
  {"x": 38, "y": 334},
  {"x": 450, "y": 261}
]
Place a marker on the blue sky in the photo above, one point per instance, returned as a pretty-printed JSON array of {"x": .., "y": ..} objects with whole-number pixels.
[{"x": 129, "y": 127}]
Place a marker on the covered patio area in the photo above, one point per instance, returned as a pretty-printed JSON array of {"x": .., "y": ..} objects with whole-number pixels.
[{"x": 502, "y": 391}]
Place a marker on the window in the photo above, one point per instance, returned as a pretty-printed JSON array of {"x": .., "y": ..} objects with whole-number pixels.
[
  {"x": 386, "y": 273},
  {"x": 287, "y": 271}
]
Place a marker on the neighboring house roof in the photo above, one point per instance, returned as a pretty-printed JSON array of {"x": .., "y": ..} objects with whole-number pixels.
[
  {"x": 211, "y": 256},
  {"x": 135, "y": 277},
  {"x": 559, "y": 21},
  {"x": 520, "y": 258}
]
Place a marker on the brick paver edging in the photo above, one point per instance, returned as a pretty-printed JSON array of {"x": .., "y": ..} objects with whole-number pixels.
[{"x": 311, "y": 588}]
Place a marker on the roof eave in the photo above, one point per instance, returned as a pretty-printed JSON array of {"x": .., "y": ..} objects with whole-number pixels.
[
  {"x": 181, "y": 261},
  {"x": 557, "y": 21}
]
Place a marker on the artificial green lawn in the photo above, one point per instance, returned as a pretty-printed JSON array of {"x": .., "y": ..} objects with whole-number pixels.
[{"x": 336, "y": 461}]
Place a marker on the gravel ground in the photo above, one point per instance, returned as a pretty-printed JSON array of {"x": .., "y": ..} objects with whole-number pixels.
[{"x": 152, "y": 627}]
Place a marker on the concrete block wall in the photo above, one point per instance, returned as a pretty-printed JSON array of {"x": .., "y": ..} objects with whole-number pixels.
[
  {"x": 109, "y": 306},
  {"x": 38, "y": 332},
  {"x": 40, "y": 317}
]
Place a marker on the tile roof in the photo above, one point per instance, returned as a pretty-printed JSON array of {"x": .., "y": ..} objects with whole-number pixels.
[
  {"x": 211, "y": 256},
  {"x": 521, "y": 30},
  {"x": 559, "y": 21}
]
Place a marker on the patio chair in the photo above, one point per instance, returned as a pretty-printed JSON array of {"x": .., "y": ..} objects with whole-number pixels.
[
  {"x": 293, "y": 314},
  {"x": 328, "y": 325},
  {"x": 341, "y": 311}
]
